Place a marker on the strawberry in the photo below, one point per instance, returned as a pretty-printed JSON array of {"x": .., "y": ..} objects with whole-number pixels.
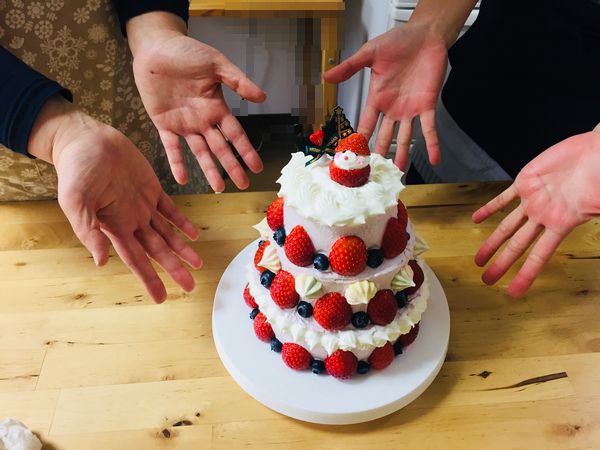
[
  {"x": 418, "y": 277},
  {"x": 383, "y": 307},
  {"x": 259, "y": 254},
  {"x": 262, "y": 328},
  {"x": 283, "y": 290},
  {"x": 298, "y": 247},
  {"x": 356, "y": 143},
  {"x": 341, "y": 364},
  {"x": 382, "y": 357},
  {"x": 348, "y": 256},
  {"x": 349, "y": 178},
  {"x": 248, "y": 297},
  {"x": 332, "y": 311},
  {"x": 406, "y": 339},
  {"x": 394, "y": 239},
  {"x": 275, "y": 214},
  {"x": 402, "y": 214},
  {"x": 295, "y": 356}
]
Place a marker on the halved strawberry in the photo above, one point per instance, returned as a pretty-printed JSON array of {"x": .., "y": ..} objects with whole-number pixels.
[
  {"x": 348, "y": 256},
  {"x": 341, "y": 364},
  {"x": 402, "y": 214},
  {"x": 259, "y": 254},
  {"x": 394, "y": 239},
  {"x": 332, "y": 311},
  {"x": 262, "y": 328},
  {"x": 383, "y": 307},
  {"x": 298, "y": 247},
  {"x": 275, "y": 214},
  {"x": 356, "y": 143},
  {"x": 382, "y": 357},
  {"x": 295, "y": 356},
  {"x": 406, "y": 339},
  {"x": 248, "y": 297},
  {"x": 283, "y": 290},
  {"x": 349, "y": 178},
  {"x": 418, "y": 277}
]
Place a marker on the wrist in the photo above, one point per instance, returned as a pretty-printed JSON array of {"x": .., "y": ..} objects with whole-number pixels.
[{"x": 147, "y": 30}]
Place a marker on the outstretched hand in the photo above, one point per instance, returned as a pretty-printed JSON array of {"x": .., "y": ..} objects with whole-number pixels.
[
  {"x": 408, "y": 65},
  {"x": 179, "y": 80},
  {"x": 559, "y": 190}
]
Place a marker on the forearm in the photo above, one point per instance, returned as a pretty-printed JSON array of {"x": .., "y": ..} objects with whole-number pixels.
[
  {"x": 445, "y": 17},
  {"x": 146, "y": 29}
]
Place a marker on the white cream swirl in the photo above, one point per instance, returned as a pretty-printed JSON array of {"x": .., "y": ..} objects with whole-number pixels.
[
  {"x": 360, "y": 292},
  {"x": 307, "y": 286},
  {"x": 350, "y": 161},
  {"x": 403, "y": 279},
  {"x": 263, "y": 229},
  {"x": 270, "y": 259},
  {"x": 421, "y": 245},
  {"x": 311, "y": 191}
]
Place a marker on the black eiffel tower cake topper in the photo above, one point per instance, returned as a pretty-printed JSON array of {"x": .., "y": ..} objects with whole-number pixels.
[{"x": 325, "y": 140}]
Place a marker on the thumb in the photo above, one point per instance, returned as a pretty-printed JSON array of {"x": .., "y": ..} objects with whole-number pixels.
[
  {"x": 237, "y": 81},
  {"x": 87, "y": 229},
  {"x": 344, "y": 70}
]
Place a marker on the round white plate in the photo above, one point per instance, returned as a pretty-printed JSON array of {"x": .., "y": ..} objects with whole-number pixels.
[{"x": 322, "y": 398}]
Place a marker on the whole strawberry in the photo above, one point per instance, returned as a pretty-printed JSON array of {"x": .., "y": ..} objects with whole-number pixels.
[
  {"x": 418, "y": 277},
  {"x": 298, "y": 247},
  {"x": 259, "y": 254},
  {"x": 248, "y": 297},
  {"x": 402, "y": 215},
  {"x": 406, "y": 339},
  {"x": 383, "y": 307},
  {"x": 394, "y": 239},
  {"x": 382, "y": 357},
  {"x": 341, "y": 364},
  {"x": 262, "y": 328},
  {"x": 349, "y": 177},
  {"x": 295, "y": 356},
  {"x": 283, "y": 290},
  {"x": 275, "y": 214},
  {"x": 356, "y": 143},
  {"x": 332, "y": 311},
  {"x": 348, "y": 256}
]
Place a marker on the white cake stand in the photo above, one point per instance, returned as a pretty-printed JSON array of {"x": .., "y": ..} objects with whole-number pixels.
[{"x": 322, "y": 398}]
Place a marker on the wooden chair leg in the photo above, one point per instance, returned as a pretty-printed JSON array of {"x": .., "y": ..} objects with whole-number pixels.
[{"x": 330, "y": 51}]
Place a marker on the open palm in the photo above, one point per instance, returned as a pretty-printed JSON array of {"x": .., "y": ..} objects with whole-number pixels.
[
  {"x": 407, "y": 70},
  {"x": 559, "y": 190},
  {"x": 180, "y": 84}
]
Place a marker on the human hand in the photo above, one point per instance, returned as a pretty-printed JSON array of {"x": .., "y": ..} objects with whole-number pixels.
[
  {"x": 179, "y": 80},
  {"x": 408, "y": 65},
  {"x": 108, "y": 191},
  {"x": 559, "y": 190}
]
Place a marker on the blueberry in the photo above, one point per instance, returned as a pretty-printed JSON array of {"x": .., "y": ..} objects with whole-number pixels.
[
  {"x": 398, "y": 348},
  {"x": 401, "y": 299},
  {"x": 260, "y": 243},
  {"x": 276, "y": 345},
  {"x": 360, "y": 319},
  {"x": 374, "y": 258},
  {"x": 317, "y": 366},
  {"x": 305, "y": 309},
  {"x": 363, "y": 367},
  {"x": 254, "y": 313},
  {"x": 321, "y": 262},
  {"x": 266, "y": 278},
  {"x": 279, "y": 236}
]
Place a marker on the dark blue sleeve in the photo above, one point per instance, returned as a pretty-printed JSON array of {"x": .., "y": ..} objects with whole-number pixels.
[
  {"x": 126, "y": 9},
  {"x": 23, "y": 92}
]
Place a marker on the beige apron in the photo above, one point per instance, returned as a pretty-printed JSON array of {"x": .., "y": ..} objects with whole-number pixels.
[{"x": 79, "y": 44}]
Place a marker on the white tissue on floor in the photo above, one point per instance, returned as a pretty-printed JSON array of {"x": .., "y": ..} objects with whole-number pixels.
[{"x": 16, "y": 436}]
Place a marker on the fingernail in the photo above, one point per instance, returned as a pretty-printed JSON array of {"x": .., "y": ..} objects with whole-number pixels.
[{"x": 96, "y": 259}]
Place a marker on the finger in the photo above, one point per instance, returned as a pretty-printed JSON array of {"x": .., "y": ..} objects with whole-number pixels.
[
  {"x": 175, "y": 243},
  {"x": 384, "y": 136},
  {"x": 495, "y": 205},
  {"x": 87, "y": 229},
  {"x": 509, "y": 225},
  {"x": 430, "y": 135},
  {"x": 169, "y": 211},
  {"x": 403, "y": 143},
  {"x": 536, "y": 260},
  {"x": 344, "y": 70},
  {"x": 368, "y": 121},
  {"x": 220, "y": 148},
  {"x": 515, "y": 247},
  {"x": 174, "y": 155},
  {"x": 238, "y": 82},
  {"x": 134, "y": 256},
  {"x": 232, "y": 129},
  {"x": 159, "y": 251},
  {"x": 203, "y": 155}
]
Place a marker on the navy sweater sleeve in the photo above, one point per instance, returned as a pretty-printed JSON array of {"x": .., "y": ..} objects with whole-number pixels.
[
  {"x": 23, "y": 92},
  {"x": 126, "y": 9}
]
